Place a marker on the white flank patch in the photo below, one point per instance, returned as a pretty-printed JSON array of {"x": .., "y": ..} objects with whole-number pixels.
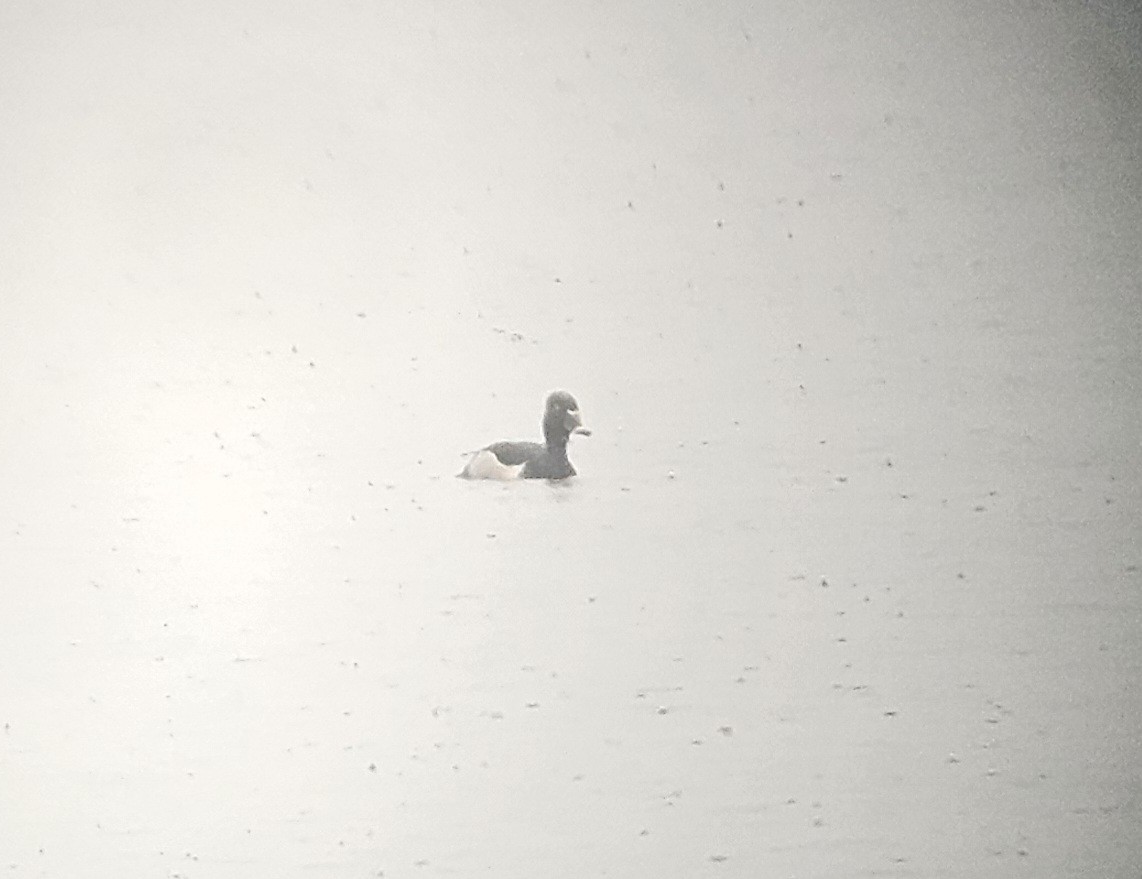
[{"x": 485, "y": 465}]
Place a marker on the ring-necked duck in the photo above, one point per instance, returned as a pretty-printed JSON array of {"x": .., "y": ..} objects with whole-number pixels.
[{"x": 526, "y": 460}]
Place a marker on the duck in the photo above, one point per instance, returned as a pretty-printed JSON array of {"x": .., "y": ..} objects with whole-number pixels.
[{"x": 530, "y": 460}]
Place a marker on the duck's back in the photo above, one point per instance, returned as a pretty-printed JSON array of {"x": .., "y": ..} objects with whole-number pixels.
[{"x": 512, "y": 454}]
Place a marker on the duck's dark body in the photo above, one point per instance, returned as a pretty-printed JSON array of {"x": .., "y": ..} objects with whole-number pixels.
[
  {"x": 529, "y": 460},
  {"x": 539, "y": 461}
]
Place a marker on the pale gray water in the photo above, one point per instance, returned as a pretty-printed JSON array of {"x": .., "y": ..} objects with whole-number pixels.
[{"x": 849, "y": 583}]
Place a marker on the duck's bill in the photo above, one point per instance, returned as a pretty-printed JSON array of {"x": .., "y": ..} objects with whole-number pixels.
[{"x": 573, "y": 423}]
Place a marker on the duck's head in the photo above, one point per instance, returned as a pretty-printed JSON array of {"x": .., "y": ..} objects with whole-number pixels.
[{"x": 561, "y": 417}]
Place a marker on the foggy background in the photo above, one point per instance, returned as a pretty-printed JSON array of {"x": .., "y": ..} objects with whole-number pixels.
[{"x": 849, "y": 582}]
